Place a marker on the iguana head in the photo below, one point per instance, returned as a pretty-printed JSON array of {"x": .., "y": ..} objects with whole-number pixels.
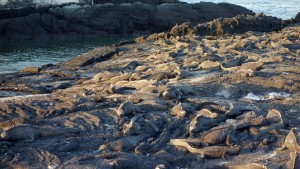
[
  {"x": 4, "y": 135},
  {"x": 121, "y": 112}
]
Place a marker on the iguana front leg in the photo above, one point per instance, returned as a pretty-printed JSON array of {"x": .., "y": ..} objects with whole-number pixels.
[{"x": 30, "y": 138}]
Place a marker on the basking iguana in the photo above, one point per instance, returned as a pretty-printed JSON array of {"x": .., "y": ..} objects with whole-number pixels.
[
  {"x": 29, "y": 132},
  {"x": 125, "y": 143},
  {"x": 207, "y": 152}
]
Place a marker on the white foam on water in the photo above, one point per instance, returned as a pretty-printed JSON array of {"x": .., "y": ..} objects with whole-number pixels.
[
  {"x": 54, "y": 166},
  {"x": 252, "y": 96},
  {"x": 273, "y": 95},
  {"x": 223, "y": 93},
  {"x": 23, "y": 97},
  {"x": 269, "y": 96},
  {"x": 197, "y": 79}
]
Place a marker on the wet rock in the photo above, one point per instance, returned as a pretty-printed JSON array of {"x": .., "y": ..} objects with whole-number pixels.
[
  {"x": 274, "y": 116},
  {"x": 31, "y": 70},
  {"x": 91, "y": 57},
  {"x": 146, "y": 16},
  {"x": 297, "y": 18}
]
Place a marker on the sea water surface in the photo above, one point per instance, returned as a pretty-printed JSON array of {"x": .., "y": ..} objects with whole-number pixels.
[
  {"x": 283, "y": 9},
  {"x": 17, "y": 55},
  {"x": 14, "y": 56}
]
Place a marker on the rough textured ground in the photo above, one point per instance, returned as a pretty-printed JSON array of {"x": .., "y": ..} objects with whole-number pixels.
[{"x": 215, "y": 93}]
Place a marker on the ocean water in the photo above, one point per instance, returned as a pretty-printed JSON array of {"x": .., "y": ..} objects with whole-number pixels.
[
  {"x": 17, "y": 55},
  {"x": 283, "y": 9}
]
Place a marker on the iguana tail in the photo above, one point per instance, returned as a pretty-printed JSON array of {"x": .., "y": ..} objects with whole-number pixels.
[
  {"x": 181, "y": 142},
  {"x": 189, "y": 140},
  {"x": 57, "y": 131}
]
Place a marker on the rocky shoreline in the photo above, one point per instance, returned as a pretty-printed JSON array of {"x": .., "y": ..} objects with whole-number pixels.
[
  {"x": 116, "y": 17},
  {"x": 219, "y": 94}
]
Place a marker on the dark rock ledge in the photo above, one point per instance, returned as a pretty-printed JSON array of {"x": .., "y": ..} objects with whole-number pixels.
[{"x": 109, "y": 18}]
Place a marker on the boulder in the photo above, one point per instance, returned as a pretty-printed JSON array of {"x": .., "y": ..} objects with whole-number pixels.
[
  {"x": 238, "y": 24},
  {"x": 31, "y": 70},
  {"x": 116, "y": 17},
  {"x": 33, "y": 19},
  {"x": 297, "y": 18},
  {"x": 47, "y": 19},
  {"x": 3, "y": 24},
  {"x": 118, "y": 20},
  {"x": 235, "y": 9},
  {"x": 167, "y": 15}
]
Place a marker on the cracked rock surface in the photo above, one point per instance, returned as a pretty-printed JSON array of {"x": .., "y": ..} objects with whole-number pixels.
[{"x": 187, "y": 101}]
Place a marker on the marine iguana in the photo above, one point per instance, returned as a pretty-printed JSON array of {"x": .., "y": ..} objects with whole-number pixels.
[
  {"x": 237, "y": 109},
  {"x": 274, "y": 116},
  {"x": 139, "y": 96},
  {"x": 178, "y": 110},
  {"x": 29, "y": 132},
  {"x": 152, "y": 89},
  {"x": 127, "y": 108},
  {"x": 143, "y": 126},
  {"x": 123, "y": 144},
  {"x": 204, "y": 120},
  {"x": 132, "y": 127},
  {"x": 267, "y": 130},
  {"x": 207, "y": 152},
  {"x": 213, "y": 136},
  {"x": 161, "y": 76}
]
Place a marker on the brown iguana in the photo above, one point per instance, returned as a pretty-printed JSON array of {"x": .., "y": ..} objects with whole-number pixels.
[
  {"x": 127, "y": 108},
  {"x": 200, "y": 123},
  {"x": 215, "y": 135},
  {"x": 267, "y": 130},
  {"x": 237, "y": 109},
  {"x": 207, "y": 152},
  {"x": 123, "y": 144},
  {"x": 30, "y": 132},
  {"x": 178, "y": 110},
  {"x": 132, "y": 127},
  {"x": 138, "y": 96}
]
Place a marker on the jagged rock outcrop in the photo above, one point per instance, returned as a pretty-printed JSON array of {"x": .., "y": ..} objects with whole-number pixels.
[
  {"x": 240, "y": 24},
  {"x": 109, "y": 18},
  {"x": 221, "y": 26}
]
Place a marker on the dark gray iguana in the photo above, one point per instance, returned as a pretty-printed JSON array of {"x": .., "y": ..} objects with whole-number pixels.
[
  {"x": 124, "y": 143},
  {"x": 207, "y": 152},
  {"x": 29, "y": 132}
]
